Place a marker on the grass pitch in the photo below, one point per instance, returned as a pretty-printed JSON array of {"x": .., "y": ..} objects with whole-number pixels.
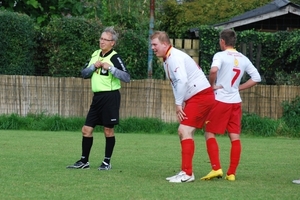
[{"x": 33, "y": 166}]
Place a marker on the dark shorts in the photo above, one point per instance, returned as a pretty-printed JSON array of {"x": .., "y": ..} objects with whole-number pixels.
[{"x": 104, "y": 109}]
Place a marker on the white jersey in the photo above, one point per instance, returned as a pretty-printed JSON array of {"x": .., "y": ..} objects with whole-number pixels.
[
  {"x": 232, "y": 61},
  {"x": 187, "y": 78}
]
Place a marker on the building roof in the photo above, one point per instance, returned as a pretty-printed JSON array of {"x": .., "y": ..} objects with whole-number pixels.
[{"x": 270, "y": 10}]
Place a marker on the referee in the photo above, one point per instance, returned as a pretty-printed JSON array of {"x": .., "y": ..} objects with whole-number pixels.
[{"x": 106, "y": 70}]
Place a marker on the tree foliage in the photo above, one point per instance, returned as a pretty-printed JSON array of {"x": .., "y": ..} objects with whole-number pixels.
[
  {"x": 126, "y": 13},
  {"x": 295, "y": 1},
  {"x": 176, "y": 19},
  {"x": 171, "y": 16},
  {"x": 41, "y": 11},
  {"x": 131, "y": 17}
]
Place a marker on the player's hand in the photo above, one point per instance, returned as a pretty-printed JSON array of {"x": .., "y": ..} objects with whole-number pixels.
[
  {"x": 98, "y": 64},
  {"x": 105, "y": 65},
  {"x": 215, "y": 87},
  {"x": 180, "y": 114}
]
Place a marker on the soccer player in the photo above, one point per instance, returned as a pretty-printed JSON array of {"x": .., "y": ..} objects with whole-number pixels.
[
  {"x": 193, "y": 94},
  {"x": 227, "y": 69},
  {"x": 106, "y": 70}
]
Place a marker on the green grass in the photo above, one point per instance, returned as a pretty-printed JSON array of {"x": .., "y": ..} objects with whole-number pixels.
[{"x": 33, "y": 167}]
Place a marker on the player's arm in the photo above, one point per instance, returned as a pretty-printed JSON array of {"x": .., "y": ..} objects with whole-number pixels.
[
  {"x": 88, "y": 71},
  {"x": 89, "y": 67},
  {"x": 213, "y": 77},
  {"x": 247, "y": 84},
  {"x": 179, "y": 80},
  {"x": 119, "y": 69},
  {"x": 254, "y": 77},
  {"x": 215, "y": 66}
]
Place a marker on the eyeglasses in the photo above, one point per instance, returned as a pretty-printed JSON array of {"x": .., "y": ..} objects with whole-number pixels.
[{"x": 106, "y": 40}]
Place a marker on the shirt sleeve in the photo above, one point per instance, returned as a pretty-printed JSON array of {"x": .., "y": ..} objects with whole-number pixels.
[
  {"x": 178, "y": 76},
  {"x": 119, "y": 69},
  {"x": 253, "y": 72}
]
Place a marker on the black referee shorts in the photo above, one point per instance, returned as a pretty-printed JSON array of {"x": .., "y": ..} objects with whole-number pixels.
[{"x": 104, "y": 109}]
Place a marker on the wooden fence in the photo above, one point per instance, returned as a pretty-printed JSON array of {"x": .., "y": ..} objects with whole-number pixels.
[
  {"x": 140, "y": 98},
  {"x": 189, "y": 46}
]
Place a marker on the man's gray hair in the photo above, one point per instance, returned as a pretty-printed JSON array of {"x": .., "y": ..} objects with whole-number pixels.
[{"x": 113, "y": 33}]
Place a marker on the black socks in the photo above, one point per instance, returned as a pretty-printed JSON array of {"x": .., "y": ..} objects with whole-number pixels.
[
  {"x": 109, "y": 148},
  {"x": 87, "y": 143}
]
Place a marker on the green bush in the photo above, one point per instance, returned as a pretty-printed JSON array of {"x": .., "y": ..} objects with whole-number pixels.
[
  {"x": 209, "y": 45},
  {"x": 285, "y": 78},
  {"x": 133, "y": 48},
  {"x": 17, "y": 44},
  {"x": 69, "y": 42},
  {"x": 11, "y": 122},
  {"x": 43, "y": 122},
  {"x": 252, "y": 124},
  {"x": 291, "y": 115}
]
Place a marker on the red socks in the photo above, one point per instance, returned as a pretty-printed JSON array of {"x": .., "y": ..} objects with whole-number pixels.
[
  {"x": 213, "y": 153},
  {"x": 235, "y": 155},
  {"x": 188, "y": 149},
  {"x": 187, "y": 153}
]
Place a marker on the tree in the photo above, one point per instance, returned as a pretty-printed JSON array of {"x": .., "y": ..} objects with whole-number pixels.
[
  {"x": 131, "y": 14},
  {"x": 43, "y": 11},
  {"x": 295, "y": 2},
  {"x": 193, "y": 13}
]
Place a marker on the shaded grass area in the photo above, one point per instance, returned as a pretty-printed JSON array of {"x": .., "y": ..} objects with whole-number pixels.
[{"x": 33, "y": 166}]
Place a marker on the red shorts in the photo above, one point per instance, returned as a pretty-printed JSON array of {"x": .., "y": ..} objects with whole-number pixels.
[
  {"x": 197, "y": 108},
  {"x": 224, "y": 116}
]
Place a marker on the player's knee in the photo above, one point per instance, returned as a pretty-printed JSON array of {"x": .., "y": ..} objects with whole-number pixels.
[
  {"x": 108, "y": 132},
  {"x": 234, "y": 136},
  {"x": 182, "y": 133},
  {"x": 209, "y": 135},
  {"x": 87, "y": 131}
]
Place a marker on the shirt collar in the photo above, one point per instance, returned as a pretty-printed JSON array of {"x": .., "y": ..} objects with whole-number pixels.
[
  {"x": 168, "y": 53},
  {"x": 107, "y": 53}
]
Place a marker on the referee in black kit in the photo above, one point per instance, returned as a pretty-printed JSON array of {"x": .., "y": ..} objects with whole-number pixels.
[{"x": 106, "y": 70}]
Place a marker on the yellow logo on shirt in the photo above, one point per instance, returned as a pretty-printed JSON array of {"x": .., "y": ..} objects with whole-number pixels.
[{"x": 236, "y": 62}]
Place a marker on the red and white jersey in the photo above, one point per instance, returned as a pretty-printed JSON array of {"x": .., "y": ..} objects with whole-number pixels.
[
  {"x": 232, "y": 65},
  {"x": 185, "y": 75}
]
